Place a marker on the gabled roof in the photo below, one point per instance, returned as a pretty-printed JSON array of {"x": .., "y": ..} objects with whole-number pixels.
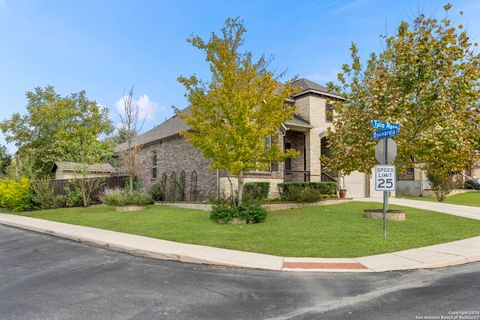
[
  {"x": 309, "y": 86},
  {"x": 298, "y": 122},
  {"x": 168, "y": 128},
  {"x": 72, "y": 166},
  {"x": 175, "y": 125}
]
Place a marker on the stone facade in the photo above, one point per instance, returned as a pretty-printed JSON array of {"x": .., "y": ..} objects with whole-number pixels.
[{"x": 174, "y": 156}]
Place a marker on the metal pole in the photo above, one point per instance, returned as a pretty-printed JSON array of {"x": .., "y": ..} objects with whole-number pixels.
[{"x": 385, "y": 193}]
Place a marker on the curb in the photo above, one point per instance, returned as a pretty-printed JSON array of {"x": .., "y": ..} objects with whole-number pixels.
[{"x": 436, "y": 256}]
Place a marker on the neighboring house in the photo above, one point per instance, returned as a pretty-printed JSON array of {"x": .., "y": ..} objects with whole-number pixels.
[
  {"x": 185, "y": 174},
  {"x": 70, "y": 170}
]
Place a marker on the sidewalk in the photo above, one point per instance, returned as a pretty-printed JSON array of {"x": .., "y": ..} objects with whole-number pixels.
[
  {"x": 435, "y": 256},
  {"x": 453, "y": 209}
]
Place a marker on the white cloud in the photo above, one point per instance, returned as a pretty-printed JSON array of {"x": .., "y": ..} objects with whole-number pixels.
[{"x": 147, "y": 108}]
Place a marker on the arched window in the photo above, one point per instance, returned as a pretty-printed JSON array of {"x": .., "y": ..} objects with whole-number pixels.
[
  {"x": 181, "y": 186},
  {"x": 193, "y": 186},
  {"x": 173, "y": 186},
  {"x": 163, "y": 183}
]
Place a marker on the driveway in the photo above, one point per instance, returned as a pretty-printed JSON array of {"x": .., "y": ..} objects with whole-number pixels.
[{"x": 43, "y": 277}]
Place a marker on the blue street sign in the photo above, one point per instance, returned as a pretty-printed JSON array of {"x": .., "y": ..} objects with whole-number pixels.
[
  {"x": 382, "y": 125},
  {"x": 384, "y": 134}
]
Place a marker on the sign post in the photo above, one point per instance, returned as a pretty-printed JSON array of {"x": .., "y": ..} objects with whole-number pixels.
[{"x": 385, "y": 174}]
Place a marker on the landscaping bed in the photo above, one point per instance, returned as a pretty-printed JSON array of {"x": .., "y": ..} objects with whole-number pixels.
[{"x": 337, "y": 230}]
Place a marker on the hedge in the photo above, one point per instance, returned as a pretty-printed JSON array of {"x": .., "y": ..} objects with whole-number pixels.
[
  {"x": 15, "y": 195},
  {"x": 256, "y": 190},
  {"x": 289, "y": 190}
]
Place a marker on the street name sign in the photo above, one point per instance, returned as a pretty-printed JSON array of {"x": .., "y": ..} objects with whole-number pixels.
[
  {"x": 384, "y": 134},
  {"x": 382, "y": 125},
  {"x": 385, "y": 178},
  {"x": 391, "y": 151}
]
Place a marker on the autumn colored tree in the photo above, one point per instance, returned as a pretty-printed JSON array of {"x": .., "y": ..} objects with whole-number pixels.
[
  {"x": 54, "y": 128},
  {"x": 233, "y": 115},
  {"x": 427, "y": 80}
]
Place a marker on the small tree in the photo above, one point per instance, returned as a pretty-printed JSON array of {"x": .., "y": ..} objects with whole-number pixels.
[
  {"x": 234, "y": 115},
  {"x": 441, "y": 183},
  {"x": 129, "y": 129},
  {"x": 86, "y": 184},
  {"x": 426, "y": 79}
]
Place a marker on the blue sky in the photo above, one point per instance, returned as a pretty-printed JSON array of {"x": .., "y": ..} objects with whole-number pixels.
[{"x": 104, "y": 47}]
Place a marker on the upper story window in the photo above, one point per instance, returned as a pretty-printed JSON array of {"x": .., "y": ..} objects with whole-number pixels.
[
  {"x": 153, "y": 159},
  {"x": 268, "y": 145},
  {"x": 329, "y": 112}
]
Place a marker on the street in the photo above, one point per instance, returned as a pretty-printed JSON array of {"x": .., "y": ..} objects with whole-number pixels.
[{"x": 44, "y": 277}]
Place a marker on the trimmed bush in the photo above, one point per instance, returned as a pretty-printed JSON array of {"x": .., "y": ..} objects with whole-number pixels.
[
  {"x": 307, "y": 191},
  {"x": 120, "y": 198},
  {"x": 156, "y": 192},
  {"x": 256, "y": 190},
  {"x": 225, "y": 211},
  {"x": 15, "y": 195},
  {"x": 471, "y": 184}
]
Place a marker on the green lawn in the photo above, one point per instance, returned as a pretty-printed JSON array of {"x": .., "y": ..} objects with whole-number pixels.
[
  {"x": 467, "y": 198},
  {"x": 325, "y": 231}
]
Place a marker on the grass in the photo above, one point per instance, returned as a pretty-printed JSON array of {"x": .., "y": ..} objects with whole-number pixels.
[
  {"x": 468, "y": 198},
  {"x": 324, "y": 231}
]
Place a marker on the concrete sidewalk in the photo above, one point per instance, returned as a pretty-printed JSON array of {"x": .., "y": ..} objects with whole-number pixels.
[
  {"x": 453, "y": 209},
  {"x": 441, "y": 255}
]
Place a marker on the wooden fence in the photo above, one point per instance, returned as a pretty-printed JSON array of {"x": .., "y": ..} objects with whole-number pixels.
[{"x": 107, "y": 182}]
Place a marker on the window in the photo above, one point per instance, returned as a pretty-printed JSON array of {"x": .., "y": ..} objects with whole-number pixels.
[
  {"x": 409, "y": 174},
  {"x": 153, "y": 158},
  {"x": 193, "y": 186},
  {"x": 329, "y": 112},
  {"x": 181, "y": 186},
  {"x": 173, "y": 186},
  {"x": 268, "y": 145}
]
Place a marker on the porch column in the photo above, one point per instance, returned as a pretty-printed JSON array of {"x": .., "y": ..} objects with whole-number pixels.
[{"x": 313, "y": 148}]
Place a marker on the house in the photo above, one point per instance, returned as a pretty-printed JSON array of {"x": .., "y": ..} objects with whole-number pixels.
[
  {"x": 185, "y": 174},
  {"x": 71, "y": 170}
]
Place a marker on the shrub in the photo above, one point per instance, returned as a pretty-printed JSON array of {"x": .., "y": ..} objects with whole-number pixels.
[
  {"x": 442, "y": 183},
  {"x": 471, "y": 184},
  {"x": 43, "y": 195},
  {"x": 119, "y": 198},
  {"x": 156, "y": 192},
  {"x": 73, "y": 195},
  {"x": 225, "y": 211},
  {"x": 256, "y": 190},
  {"x": 15, "y": 195},
  {"x": 59, "y": 201},
  {"x": 306, "y": 191}
]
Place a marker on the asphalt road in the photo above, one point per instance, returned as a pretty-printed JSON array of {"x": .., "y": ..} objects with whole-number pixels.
[{"x": 43, "y": 277}]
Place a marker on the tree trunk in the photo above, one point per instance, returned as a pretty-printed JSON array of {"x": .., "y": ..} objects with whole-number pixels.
[{"x": 240, "y": 189}]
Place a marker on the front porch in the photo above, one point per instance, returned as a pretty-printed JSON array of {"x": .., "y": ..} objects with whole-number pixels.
[{"x": 299, "y": 169}]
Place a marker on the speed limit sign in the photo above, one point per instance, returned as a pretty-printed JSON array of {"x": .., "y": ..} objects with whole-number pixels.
[{"x": 385, "y": 178}]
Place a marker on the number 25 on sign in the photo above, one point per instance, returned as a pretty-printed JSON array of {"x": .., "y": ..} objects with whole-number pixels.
[{"x": 385, "y": 178}]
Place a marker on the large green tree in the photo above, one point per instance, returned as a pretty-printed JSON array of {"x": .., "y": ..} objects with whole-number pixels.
[
  {"x": 57, "y": 127},
  {"x": 427, "y": 80},
  {"x": 5, "y": 159},
  {"x": 233, "y": 115}
]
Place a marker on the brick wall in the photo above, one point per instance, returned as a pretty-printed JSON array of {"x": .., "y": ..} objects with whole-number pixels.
[{"x": 175, "y": 155}]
